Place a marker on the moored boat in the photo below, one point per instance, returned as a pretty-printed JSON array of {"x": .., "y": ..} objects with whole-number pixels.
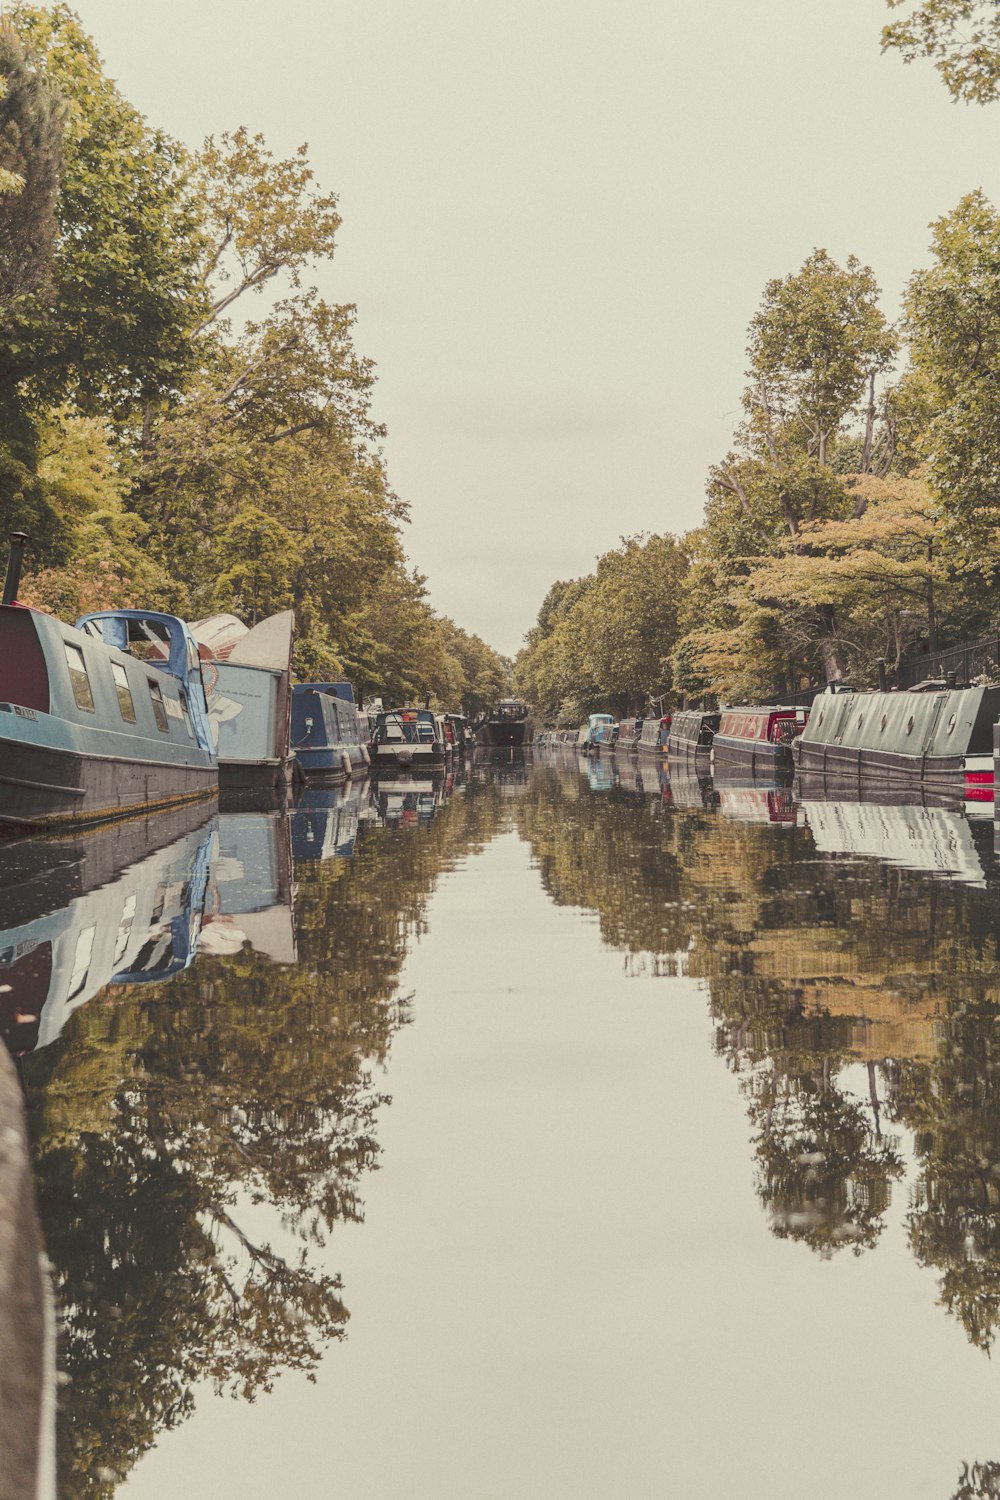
[
  {"x": 598, "y": 733},
  {"x": 329, "y": 734},
  {"x": 248, "y": 676},
  {"x": 407, "y": 737},
  {"x": 756, "y": 740},
  {"x": 629, "y": 732},
  {"x": 653, "y": 737},
  {"x": 690, "y": 736},
  {"x": 935, "y": 736},
  {"x": 99, "y": 720}
]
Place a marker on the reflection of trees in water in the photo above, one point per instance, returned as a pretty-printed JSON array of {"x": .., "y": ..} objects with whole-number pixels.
[
  {"x": 978, "y": 1482},
  {"x": 813, "y": 965},
  {"x": 197, "y": 1141}
]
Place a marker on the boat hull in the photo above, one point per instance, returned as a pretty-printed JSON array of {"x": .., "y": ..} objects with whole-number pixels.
[
  {"x": 756, "y": 757},
  {"x": 495, "y": 734},
  {"x": 403, "y": 756},
  {"x": 44, "y": 787}
]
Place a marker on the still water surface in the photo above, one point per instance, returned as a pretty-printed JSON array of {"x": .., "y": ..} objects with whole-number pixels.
[{"x": 552, "y": 1132}]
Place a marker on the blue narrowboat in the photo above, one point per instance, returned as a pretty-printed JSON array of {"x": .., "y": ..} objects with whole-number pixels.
[
  {"x": 599, "y": 733},
  {"x": 100, "y": 719},
  {"x": 329, "y": 736}
]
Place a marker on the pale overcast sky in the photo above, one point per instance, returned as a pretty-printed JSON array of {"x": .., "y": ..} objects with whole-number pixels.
[{"x": 559, "y": 216}]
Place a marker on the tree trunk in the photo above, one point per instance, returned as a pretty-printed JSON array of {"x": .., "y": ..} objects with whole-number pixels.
[
  {"x": 833, "y": 662},
  {"x": 932, "y": 643}
]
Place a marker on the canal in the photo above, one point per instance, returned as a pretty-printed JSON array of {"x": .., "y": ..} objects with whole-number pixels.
[{"x": 550, "y": 1131}]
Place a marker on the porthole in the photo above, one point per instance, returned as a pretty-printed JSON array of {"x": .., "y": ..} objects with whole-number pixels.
[
  {"x": 861, "y": 720},
  {"x": 822, "y": 715},
  {"x": 885, "y": 720},
  {"x": 952, "y": 722},
  {"x": 909, "y": 724}
]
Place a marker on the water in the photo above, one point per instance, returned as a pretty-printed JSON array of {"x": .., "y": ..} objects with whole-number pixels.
[{"x": 553, "y": 1132}]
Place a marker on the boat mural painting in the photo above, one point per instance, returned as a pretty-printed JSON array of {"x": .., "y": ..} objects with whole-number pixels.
[
  {"x": 329, "y": 732},
  {"x": 756, "y": 740},
  {"x": 249, "y": 698},
  {"x": 653, "y": 735},
  {"x": 99, "y": 720},
  {"x": 690, "y": 736},
  {"x": 509, "y": 724},
  {"x": 406, "y": 737},
  {"x": 937, "y": 737}
]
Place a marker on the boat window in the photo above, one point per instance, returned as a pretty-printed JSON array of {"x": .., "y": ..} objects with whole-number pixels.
[
  {"x": 885, "y": 720},
  {"x": 159, "y": 712},
  {"x": 909, "y": 725},
  {"x": 125, "y": 704},
  {"x": 822, "y": 715},
  {"x": 79, "y": 681},
  {"x": 952, "y": 722},
  {"x": 182, "y": 695},
  {"x": 861, "y": 720}
]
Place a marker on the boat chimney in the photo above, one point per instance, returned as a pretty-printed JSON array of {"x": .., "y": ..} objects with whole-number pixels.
[
  {"x": 880, "y": 663},
  {"x": 18, "y": 542},
  {"x": 950, "y": 678}
]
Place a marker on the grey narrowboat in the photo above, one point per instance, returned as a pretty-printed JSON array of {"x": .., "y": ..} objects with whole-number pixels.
[
  {"x": 653, "y": 736},
  {"x": 249, "y": 702},
  {"x": 690, "y": 736},
  {"x": 100, "y": 719},
  {"x": 937, "y": 737}
]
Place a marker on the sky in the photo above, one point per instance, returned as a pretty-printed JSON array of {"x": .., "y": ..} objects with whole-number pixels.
[{"x": 559, "y": 218}]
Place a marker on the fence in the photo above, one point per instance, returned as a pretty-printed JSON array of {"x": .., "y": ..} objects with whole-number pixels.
[{"x": 968, "y": 661}]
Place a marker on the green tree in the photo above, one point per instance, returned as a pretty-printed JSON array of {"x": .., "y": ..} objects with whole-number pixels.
[{"x": 962, "y": 37}]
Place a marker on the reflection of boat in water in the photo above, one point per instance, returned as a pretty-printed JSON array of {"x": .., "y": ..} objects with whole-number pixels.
[
  {"x": 601, "y": 775},
  {"x": 940, "y": 840},
  {"x": 688, "y": 788},
  {"x": 208, "y": 887},
  {"x": 756, "y": 802},
  {"x": 142, "y": 924},
  {"x": 325, "y": 822},
  {"x": 408, "y": 799}
]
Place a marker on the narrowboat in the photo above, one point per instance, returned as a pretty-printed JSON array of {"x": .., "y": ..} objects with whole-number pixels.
[
  {"x": 99, "y": 720},
  {"x": 599, "y": 733},
  {"x": 329, "y": 735},
  {"x": 756, "y": 740},
  {"x": 406, "y": 737},
  {"x": 509, "y": 724},
  {"x": 934, "y": 736},
  {"x": 627, "y": 740},
  {"x": 690, "y": 737},
  {"x": 249, "y": 699},
  {"x": 653, "y": 737},
  {"x": 459, "y": 733}
]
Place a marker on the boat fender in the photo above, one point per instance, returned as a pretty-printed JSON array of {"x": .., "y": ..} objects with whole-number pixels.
[
  {"x": 365, "y": 756},
  {"x": 345, "y": 761}
]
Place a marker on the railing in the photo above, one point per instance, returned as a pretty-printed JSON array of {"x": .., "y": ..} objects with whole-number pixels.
[{"x": 968, "y": 661}]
